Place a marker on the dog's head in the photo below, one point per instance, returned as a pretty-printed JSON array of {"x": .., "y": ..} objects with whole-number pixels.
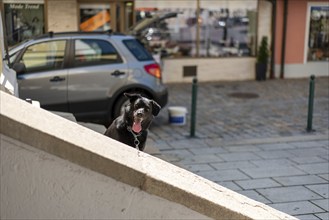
[{"x": 140, "y": 111}]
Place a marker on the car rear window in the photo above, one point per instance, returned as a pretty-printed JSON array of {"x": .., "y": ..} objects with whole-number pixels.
[{"x": 138, "y": 50}]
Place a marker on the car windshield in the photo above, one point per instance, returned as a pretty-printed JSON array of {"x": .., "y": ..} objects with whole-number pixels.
[{"x": 138, "y": 50}]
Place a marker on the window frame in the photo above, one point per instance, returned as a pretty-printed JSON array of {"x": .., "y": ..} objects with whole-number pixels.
[
  {"x": 21, "y": 53},
  {"x": 307, "y": 29}
]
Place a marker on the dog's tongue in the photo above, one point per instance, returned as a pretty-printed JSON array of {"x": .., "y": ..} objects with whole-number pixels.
[{"x": 137, "y": 126}]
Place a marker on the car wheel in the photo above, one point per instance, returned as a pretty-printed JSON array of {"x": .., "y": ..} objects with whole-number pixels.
[{"x": 119, "y": 106}]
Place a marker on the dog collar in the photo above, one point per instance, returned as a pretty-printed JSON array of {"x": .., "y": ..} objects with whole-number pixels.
[{"x": 136, "y": 141}]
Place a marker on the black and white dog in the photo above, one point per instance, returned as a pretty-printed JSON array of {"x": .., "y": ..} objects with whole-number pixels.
[{"x": 131, "y": 127}]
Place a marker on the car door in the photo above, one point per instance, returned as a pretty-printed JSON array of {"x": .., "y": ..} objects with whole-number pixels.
[
  {"x": 97, "y": 72},
  {"x": 45, "y": 78}
]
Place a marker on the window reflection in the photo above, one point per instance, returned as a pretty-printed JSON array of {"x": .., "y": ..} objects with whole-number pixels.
[
  {"x": 227, "y": 28},
  {"x": 318, "y": 39}
]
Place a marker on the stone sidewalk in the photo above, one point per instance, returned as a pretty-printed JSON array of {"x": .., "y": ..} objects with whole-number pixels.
[{"x": 251, "y": 138}]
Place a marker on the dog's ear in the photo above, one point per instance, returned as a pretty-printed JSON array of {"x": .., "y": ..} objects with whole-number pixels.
[
  {"x": 155, "y": 108},
  {"x": 132, "y": 96}
]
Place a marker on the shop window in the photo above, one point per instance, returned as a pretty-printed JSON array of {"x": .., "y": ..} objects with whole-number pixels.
[
  {"x": 227, "y": 28},
  {"x": 23, "y": 20},
  {"x": 94, "y": 17},
  {"x": 318, "y": 33}
]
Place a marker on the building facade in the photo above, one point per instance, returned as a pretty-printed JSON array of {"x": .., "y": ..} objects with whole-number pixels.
[
  {"x": 27, "y": 18},
  {"x": 219, "y": 39},
  {"x": 301, "y": 38}
]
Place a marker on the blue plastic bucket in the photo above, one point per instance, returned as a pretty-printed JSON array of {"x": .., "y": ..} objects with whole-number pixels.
[{"x": 177, "y": 115}]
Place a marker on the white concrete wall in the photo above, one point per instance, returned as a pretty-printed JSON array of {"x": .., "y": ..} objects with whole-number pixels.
[
  {"x": 299, "y": 70},
  {"x": 210, "y": 69},
  {"x": 37, "y": 185},
  {"x": 264, "y": 27},
  {"x": 52, "y": 168}
]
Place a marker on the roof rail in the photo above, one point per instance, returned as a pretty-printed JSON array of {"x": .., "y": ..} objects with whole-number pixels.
[
  {"x": 82, "y": 32},
  {"x": 51, "y": 33}
]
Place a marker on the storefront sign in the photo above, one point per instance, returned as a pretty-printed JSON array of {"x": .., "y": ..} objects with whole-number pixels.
[{"x": 24, "y": 6}]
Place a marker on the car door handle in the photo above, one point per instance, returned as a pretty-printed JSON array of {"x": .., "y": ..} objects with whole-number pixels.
[
  {"x": 57, "y": 79},
  {"x": 117, "y": 73}
]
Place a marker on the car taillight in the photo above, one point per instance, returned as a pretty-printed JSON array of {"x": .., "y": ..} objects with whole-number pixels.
[{"x": 153, "y": 69}]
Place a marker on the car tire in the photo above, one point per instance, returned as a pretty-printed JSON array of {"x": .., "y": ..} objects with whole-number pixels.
[{"x": 119, "y": 105}]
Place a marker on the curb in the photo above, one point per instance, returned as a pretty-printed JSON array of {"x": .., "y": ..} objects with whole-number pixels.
[{"x": 303, "y": 138}]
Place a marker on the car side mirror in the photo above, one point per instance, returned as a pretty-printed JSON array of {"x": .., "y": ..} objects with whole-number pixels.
[{"x": 20, "y": 68}]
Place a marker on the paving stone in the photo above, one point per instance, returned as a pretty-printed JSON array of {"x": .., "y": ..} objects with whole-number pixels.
[
  {"x": 188, "y": 143},
  {"x": 243, "y": 148},
  {"x": 198, "y": 167},
  {"x": 232, "y": 165},
  {"x": 297, "y": 208},
  {"x": 252, "y": 194},
  {"x": 310, "y": 144},
  {"x": 307, "y": 217},
  {"x": 214, "y": 142},
  {"x": 317, "y": 168},
  {"x": 321, "y": 189},
  {"x": 241, "y": 156},
  {"x": 274, "y": 154},
  {"x": 299, "y": 180},
  {"x": 268, "y": 132},
  {"x": 273, "y": 162},
  {"x": 324, "y": 176},
  {"x": 288, "y": 194},
  {"x": 324, "y": 143},
  {"x": 307, "y": 160},
  {"x": 309, "y": 152},
  {"x": 257, "y": 183},
  {"x": 230, "y": 185},
  {"x": 223, "y": 175},
  {"x": 263, "y": 172},
  {"x": 325, "y": 156},
  {"x": 199, "y": 159},
  {"x": 160, "y": 145},
  {"x": 276, "y": 146},
  {"x": 323, "y": 216},
  {"x": 181, "y": 153},
  {"x": 323, "y": 203},
  {"x": 208, "y": 150}
]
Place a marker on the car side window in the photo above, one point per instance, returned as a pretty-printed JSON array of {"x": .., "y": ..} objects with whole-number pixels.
[
  {"x": 44, "y": 56},
  {"x": 94, "y": 52}
]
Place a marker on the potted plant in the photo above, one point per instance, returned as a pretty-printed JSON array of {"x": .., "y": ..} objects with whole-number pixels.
[{"x": 262, "y": 58}]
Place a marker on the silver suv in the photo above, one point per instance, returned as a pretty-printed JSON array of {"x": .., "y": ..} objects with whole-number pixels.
[{"x": 86, "y": 73}]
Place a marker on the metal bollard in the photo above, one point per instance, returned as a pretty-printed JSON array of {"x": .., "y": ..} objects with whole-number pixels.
[
  {"x": 310, "y": 104},
  {"x": 193, "y": 107}
]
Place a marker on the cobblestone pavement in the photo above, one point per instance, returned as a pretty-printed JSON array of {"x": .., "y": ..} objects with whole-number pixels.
[{"x": 251, "y": 137}]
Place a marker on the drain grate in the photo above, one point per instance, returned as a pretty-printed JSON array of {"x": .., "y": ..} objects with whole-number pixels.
[{"x": 243, "y": 95}]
